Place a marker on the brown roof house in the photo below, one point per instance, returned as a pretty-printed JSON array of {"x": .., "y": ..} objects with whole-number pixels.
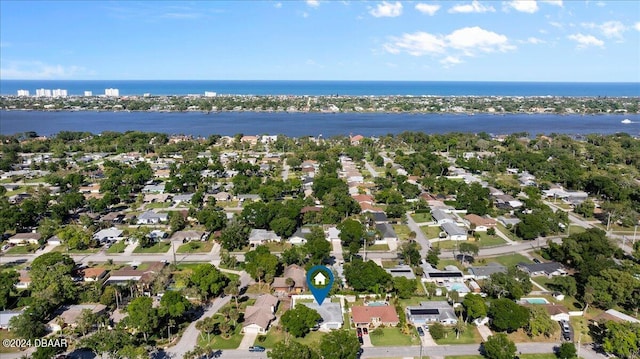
[
  {"x": 257, "y": 317},
  {"x": 69, "y": 315},
  {"x": 479, "y": 224},
  {"x": 374, "y": 316},
  {"x": 298, "y": 282},
  {"x": 93, "y": 274}
]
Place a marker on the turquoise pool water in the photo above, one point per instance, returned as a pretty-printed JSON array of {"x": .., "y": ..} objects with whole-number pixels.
[
  {"x": 536, "y": 300},
  {"x": 377, "y": 304}
]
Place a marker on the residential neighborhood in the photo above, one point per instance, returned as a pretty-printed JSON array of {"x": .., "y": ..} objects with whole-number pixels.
[{"x": 130, "y": 245}]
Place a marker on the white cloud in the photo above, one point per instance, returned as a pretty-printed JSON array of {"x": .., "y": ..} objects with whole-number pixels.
[
  {"x": 470, "y": 39},
  {"x": 450, "y": 60},
  {"x": 637, "y": 26},
  {"x": 277, "y": 5},
  {"x": 428, "y": 9},
  {"x": 601, "y": 4},
  {"x": 417, "y": 44},
  {"x": 528, "y": 6},
  {"x": 313, "y": 3},
  {"x": 450, "y": 49},
  {"x": 586, "y": 40},
  {"x": 553, "y": 2},
  {"x": 387, "y": 9},
  {"x": 556, "y": 24},
  {"x": 534, "y": 41},
  {"x": 475, "y": 6},
  {"x": 613, "y": 29},
  {"x": 36, "y": 70}
]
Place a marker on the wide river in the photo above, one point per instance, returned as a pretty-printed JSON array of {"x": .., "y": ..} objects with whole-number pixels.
[{"x": 311, "y": 124}]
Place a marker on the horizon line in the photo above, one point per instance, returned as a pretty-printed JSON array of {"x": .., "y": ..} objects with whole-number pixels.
[{"x": 293, "y": 80}]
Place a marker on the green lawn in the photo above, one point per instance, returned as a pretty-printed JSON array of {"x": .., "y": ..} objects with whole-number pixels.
[
  {"x": 421, "y": 217},
  {"x": 543, "y": 281},
  {"x": 160, "y": 247},
  {"x": 30, "y": 248},
  {"x": 448, "y": 262},
  {"x": 507, "y": 232},
  {"x": 63, "y": 249},
  {"x": 218, "y": 342},
  {"x": 278, "y": 246},
  {"x": 470, "y": 336},
  {"x": 117, "y": 247},
  {"x": 195, "y": 247},
  {"x": 393, "y": 337},
  {"x": 378, "y": 247},
  {"x": 431, "y": 232},
  {"x": 157, "y": 205},
  {"x": 275, "y": 336},
  {"x": 573, "y": 229},
  {"x": 489, "y": 241},
  {"x": 401, "y": 230},
  {"x": 509, "y": 260},
  {"x": 5, "y": 334}
]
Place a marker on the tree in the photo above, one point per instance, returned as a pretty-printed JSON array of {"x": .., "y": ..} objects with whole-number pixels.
[
  {"x": 498, "y": 346},
  {"x": 540, "y": 323},
  {"x": 339, "y": 344},
  {"x": 409, "y": 252},
  {"x": 208, "y": 280},
  {"x": 621, "y": 339},
  {"x": 474, "y": 306},
  {"x": 292, "y": 350},
  {"x": 261, "y": 264},
  {"x": 234, "y": 236},
  {"x": 317, "y": 247},
  {"x": 283, "y": 227},
  {"x": 27, "y": 325},
  {"x": 405, "y": 288},
  {"x": 299, "y": 320},
  {"x": 76, "y": 238},
  {"x": 512, "y": 284},
  {"x": 613, "y": 287},
  {"x": 468, "y": 248},
  {"x": 8, "y": 280},
  {"x": 366, "y": 276},
  {"x": 212, "y": 219},
  {"x": 206, "y": 325},
  {"x": 564, "y": 284},
  {"x": 176, "y": 221},
  {"x": 508, "y": 315},
  {"x": 351, "y": 232},
  {"x": 460, "y": 327},
  {"x": 51, "y": 278},
  {"x": 432, "y": 256},
  {"x": 174, "y": 304},
  {"x": 567, "y": 350},
  {"x": 142, "y": 316},
  {"x": 437, "y": 331}
]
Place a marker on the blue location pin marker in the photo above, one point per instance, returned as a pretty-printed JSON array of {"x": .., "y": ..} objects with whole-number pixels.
[{"x": 319, "y": 280}]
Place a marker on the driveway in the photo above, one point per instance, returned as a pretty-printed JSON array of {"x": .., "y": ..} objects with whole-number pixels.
[
  {"x": 247, "y": 340},
  {"x": 485, "y": 332},
  {"x": 420, "y": 237}
]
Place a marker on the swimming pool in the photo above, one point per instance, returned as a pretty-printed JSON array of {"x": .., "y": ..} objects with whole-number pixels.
[
  {"x": 377, "y": 304},
  {"x": 536, "y": 300}
]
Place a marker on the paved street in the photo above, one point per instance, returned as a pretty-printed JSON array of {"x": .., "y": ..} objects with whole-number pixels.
[
  {"x": 371, "y": 170},
  {"x": 420, "y": 237}
]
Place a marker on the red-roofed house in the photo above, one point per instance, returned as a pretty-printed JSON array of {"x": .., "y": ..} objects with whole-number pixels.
[
  {"x": 374, "y": 316},
  {"x": 355, "y": 140},
  {"x": 480, "y": 224}
]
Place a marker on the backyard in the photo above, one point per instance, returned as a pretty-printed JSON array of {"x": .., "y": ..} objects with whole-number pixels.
[{"x": 392, "y": 337}]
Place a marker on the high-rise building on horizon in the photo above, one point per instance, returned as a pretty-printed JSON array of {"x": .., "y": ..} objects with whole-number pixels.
[
  {"x": 112, "y": 92},
  {"x": 88, "y": 93},
  {"x": 23, "y": 93},
  {"x": 210, "y": 94},
  {"x": 43, "y": 93},
  {"x": 59, "y": 93}
]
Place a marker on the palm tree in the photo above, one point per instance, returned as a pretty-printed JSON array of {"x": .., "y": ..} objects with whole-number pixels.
[
  {"x": 460, "y": 327},
  {"x": 233, "y": 289}
]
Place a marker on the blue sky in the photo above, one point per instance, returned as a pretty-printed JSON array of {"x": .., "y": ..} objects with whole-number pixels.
[{"x": 528, "y": 40}]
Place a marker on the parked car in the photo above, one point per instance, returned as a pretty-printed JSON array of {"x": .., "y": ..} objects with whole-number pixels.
[
  {"x": 420, "y": 331},
  {"x": 360, "y": 340},
  {"x": 365, "y": 331},
  {"x": 256, "y": 348},
  {"x": 359, "y": 332}
]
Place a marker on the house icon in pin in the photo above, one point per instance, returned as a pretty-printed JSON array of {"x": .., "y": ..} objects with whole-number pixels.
[{"x": 320, "y": 279}]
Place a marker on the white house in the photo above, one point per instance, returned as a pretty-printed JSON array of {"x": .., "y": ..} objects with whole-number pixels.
[
  {"x": 454, "y": 232},
  {"x": 261, "y": 236},
  {"x": 151, "y": 217},
  {"x": 109, "y": 234},
  {"x": 331, "y": 314},
  {"x": 25, "y": 238}
]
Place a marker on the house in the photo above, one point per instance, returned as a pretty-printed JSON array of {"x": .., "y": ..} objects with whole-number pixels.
[
  {"x": 374, "y": 316},
  {"x": 557, "y": 312},
  {"x": 479, "y": 224},
  {"x": 449, "y": 274},
  {"x": 401, "y": 271},
  {"x": 387, "y": 234},
  {"x": 124, "y": 276},
  {"x": 331, "y": 314},
  {"x": 54, "y": 241},
  {"x": 25, "y": 238},
  {"x": 24, "y": 279},
  {"x": 93, "y": 274},
  {"x": 454, "y": 232},
  {"x": 180, "y": 198},
  {"x": 432, "y": 312},
  {"x": 615, "y": 316},
  {"x": 157, "y": 235},
  {"x": 151, "y": 217},
  {"x": 113, "y": 217},
  {"x": 5, "y": 317},
  {"x": 299, "y": 277},
  {"x": 379, "y": 217},
  {"x": 332, "y": 234},
  {"x": 154, "y": 188},
  {"x": 484, "y": 272},
  {"x": 300, "y": 236},
  {"x": 506, "y": 221},
  {"x": 156, "y": 197},
  {"x": 109, "y": 234},
  {"x": 441, "y": 217},
  {"x": 186, "y": 236},
  {"x": 549, "y": 269},
  {"x": 355, "y": 140},
  {"x": 257, "y": 317},
  {"x": 69, "y": 315},
  {"x": 260, "y": 236},
  {"x": 252, "y": 140},
  {"x": 222, "y": 196},
  {"x": 368, "y": 207}
]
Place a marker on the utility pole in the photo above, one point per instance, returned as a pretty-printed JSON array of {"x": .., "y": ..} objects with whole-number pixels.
[{"x": 173, "y": 246}]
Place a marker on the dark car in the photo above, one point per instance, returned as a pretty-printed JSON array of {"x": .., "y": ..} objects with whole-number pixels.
[
  {"x": 360, "y": 340},
  {"x": 420, "y": 332},
  {"x": 365, "y": 331},
  {"x": 256, "y": 348},
  {"x": 359, "y": 332}
]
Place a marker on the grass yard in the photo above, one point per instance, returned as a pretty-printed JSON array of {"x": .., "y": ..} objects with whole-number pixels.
[
  {"x": 277, "y": 246},
  {"x": 431, "y": 232},
  {"x": 507, "y": 232},
  {"x": 520, "y": 336},
  {"x": 17, "y": 250},
  {"x": 573, "y": 229},
  {"x": 470, "y": 336},
  {"x": 448, "y": 262},
  {"x": 509, "y": 260},
  {"x": 421, "y": 217},
  {"x": 378, "y": 247},
  {"x": 63, "y": 249},
  {"x": 160, "y": 247},
  {"x": 393, "y": 337},
  {"x": 218, "y": 342},
  {"x": 401, "y": 230},
  {"x": 195, "y": 247},
  {"x": 5, "y": 334},
  {"x": 117, "y": 247},
  {"x": 276, "y": 335},
  {"x": 157, "y": 205},
  {"x": 489, "y": 241}
]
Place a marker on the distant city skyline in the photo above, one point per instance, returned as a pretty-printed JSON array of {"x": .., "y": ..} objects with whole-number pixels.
[{"x": 545, "y": 40}]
